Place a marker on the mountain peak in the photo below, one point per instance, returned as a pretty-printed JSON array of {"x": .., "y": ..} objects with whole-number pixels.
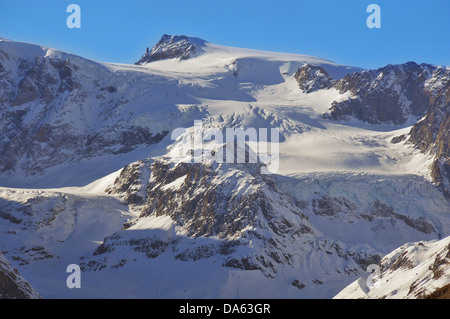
[{"x": 173, "y": 47}]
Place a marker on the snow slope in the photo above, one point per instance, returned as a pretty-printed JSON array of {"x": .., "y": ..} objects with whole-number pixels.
[{"x": 415, "y": 270}]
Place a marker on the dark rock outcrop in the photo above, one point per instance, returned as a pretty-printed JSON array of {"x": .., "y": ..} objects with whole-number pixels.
[
  {"x": 390, "y": 94},
  {"x": 172, "y": 47},
  {"x": 53, "y": 111}
]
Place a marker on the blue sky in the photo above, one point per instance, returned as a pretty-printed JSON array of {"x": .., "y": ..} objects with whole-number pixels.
[{"x": 119, "y": 31}]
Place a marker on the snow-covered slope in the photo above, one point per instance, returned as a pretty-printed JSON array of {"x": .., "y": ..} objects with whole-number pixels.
[
  {"x": 62, "y": 110},
  {"x": 172, "y": 230},
  {"x": 91, "y": 176},
  {"x": 415, "y": 270}
]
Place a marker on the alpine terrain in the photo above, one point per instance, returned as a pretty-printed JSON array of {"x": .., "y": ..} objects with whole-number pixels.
[{"x": 137, "y": 173}]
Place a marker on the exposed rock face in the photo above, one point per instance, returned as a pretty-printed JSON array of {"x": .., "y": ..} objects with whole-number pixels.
[
  {"x": 441, "y": 293},
  {"x": 234, "y": 204},
  {"x": 12, "y": 284},
  {"x": 229, "y": 216},
  {"x": 131, "y": 185},
  {"x": 172, "y": 47},
  {"x": 312, "y": 78},
  {"x": 232, "y": 214},
  {"x": 385, "y": 95},
  {"x": 57, "y": 109},
  {"x": 390, "y": 95},
  {"x": 342, "y": 208}
]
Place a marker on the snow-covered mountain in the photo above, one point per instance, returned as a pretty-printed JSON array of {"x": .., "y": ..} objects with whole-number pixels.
[
  {"x": 58, "y": 109},
  {"x": 90, "y": 174},
  {"x": 173, "y": 47},
  {"x": 395, "y": 94},
  {"x": 415, "y": 270}
]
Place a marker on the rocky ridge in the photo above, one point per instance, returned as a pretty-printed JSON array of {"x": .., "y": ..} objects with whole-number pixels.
[
  {"x": 172, "y": 47},
  {"x": 416, "y": 270},
  {"x": 12, "y": 284}
]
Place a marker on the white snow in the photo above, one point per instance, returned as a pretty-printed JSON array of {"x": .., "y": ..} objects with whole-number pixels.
[
  {"x": 415, "y": 276},
  {"x": 224, "y": 87}
]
